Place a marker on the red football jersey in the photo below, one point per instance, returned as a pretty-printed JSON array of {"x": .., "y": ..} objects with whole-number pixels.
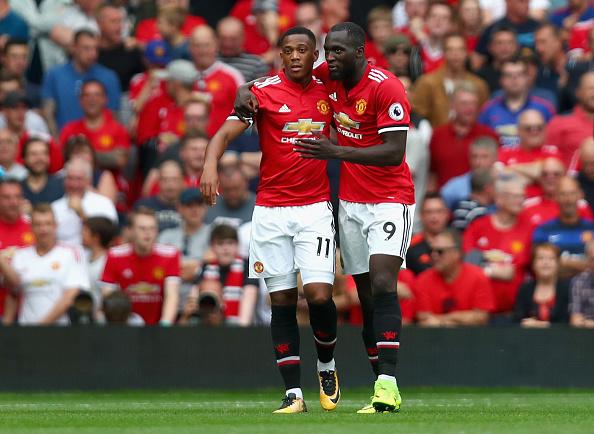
[
  {"x": 147, "y": 29},
  {"x": 220, "y": 81},
  {"x": 517, "y": 155},
  {"x": 471, "y": 289},
  {"x": 287, "y": 112},
  {"x": 143, "y": 277},
  {"x": 538, "y": 210},
  {"x": 377, "y": 104},
  {"x": 511, "y": 246},
  {"x": 13, "y": 235},
  {"x": 109, "y": 136}
]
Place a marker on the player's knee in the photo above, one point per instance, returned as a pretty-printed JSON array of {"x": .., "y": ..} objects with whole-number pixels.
[
  {"x": 319, "y": 297},
  {"x": 382, "y": 283}
]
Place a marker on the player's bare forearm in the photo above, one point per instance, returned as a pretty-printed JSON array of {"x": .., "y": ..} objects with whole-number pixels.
[
  {"x": 529, "y": 170},
  {"x": 171, "y": 301},
  {"x": 60, "y": 307}
]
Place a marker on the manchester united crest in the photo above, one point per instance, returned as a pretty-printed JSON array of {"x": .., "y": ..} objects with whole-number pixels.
[
  {"x": 258, "y": 267},
  {"x": 360, "y": 106},
  {"x": 323, "y": 107}
]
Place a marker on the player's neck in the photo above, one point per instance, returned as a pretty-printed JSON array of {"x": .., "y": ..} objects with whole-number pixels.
[
  {"x": 355, "y": 78},
  {"x": 304, "y": 82}
]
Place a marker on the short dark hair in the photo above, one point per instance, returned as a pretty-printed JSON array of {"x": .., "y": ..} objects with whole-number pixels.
[
  {"x": 12, "y": 42},
  {"x": 117, "y": 307},
  {"x": 91, "y": 81},
  {"x": 433, "y": 196},
  {"x": 104, "y": 228},
  {"x": 33, "y": 139},
  {"x": 42, "y": 208},
  {"x": 355, "y": 33},
  {"x": 480, "y": 179},
  {"x": 549, "y": 25},
  {"x": 193, "y": 135},
  {"x": 516, "y": 59},
  {"x": 454, "y": 235},
  {"x": 502, "y": 28},
  {"x": 298, "y": 31},
  {"x": 84, "y": 32},
  {"x": 223, "y": 232},
  {"x": 9, "y": 180},
  {"x": 141, "y": 210},
  {"x": 76, "y": 143}
]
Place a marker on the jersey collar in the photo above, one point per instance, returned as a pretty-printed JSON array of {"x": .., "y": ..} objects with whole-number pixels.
[
  {"x": 293, "y": 85},
  {"x": 362, "y": 83}
]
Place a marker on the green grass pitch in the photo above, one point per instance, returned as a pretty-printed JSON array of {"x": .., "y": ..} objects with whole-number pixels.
[{"x": 442, "y": 410}]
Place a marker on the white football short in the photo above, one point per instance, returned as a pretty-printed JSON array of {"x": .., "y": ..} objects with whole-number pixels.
[
  {"x": 373, "y": 229},
  {"x": 287, "y": 239}
]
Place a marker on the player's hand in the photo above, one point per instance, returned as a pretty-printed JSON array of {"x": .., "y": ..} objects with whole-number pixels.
[
  {"x": 246, "y": 104},
  {"x": 320, "y": 148},
  {"x": 209, "y": 184}
]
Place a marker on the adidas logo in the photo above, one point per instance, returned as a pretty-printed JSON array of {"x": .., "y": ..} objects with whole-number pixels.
[
  {"x": 333, "y": 96},
  {"x": 284, "y": 109}
]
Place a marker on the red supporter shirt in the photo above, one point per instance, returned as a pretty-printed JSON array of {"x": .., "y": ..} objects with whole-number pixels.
[
  {"x": 143, "y": 278},
  {"x": 450, "y": 153},
  {"x": 377, "y": 104},
  {"x": 109, "y": 136},
  {"x": 287, "y": 112},
  {"x": 161, "y": 115},
  {"x": 255, "y": 42},
  {"x": 518, "y": 155},
  {"x": 375, "y": 56},
  {"x": 567, "y": 132},
  {"x": 470, "y": 290},
  {"x": 538, "y": 210},
  {"x": 145, "y": 127},
  {"x": 147, "y": 29},
  {"x": 56, "y": 158},
  {"x": 13, "y": 235},
  {"x": 511, "y": 246}
]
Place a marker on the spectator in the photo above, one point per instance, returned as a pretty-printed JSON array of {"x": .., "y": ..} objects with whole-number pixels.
[
  {"x": 470, "y": 22},
  {"x": 500, "y": 243},
  {"x": 16, "y": 232},
  {"x": 479, "y": 203},
  {"x": 80, "y": 14},
  {"x": 227, "y": 277},
  {"x": 575, "y": 22},
  {"x": 97, "y": 235},
  {"x": 61, "y": 84},
  {"x": 552, "y": 74},
  {"x": 146, "y": 271},
  {"x": 117, "y": 310},
  {"x": 13, "y": 97},
  {"x": 191, "y": 238},
  {"x": 450, "y": 143},
  {"x": 585, "y": 176},
  {"x": 39, "y": 186},
  {"x": 483, "y": 155},
  {"x": 379, "y": 27},
  {"x": 107, "y": 136},
  {"x": 308, "y": 15},
  {"x": 434, "y": 219},
  {"x": 403, "y": 58},
  {"x": 164, "y": 204},
  {"x": 433, "y": 91},
  {"x": 581, "y": 304},
  {"x": 334, "y": 12},
  {"x": 47, "y": 275},
  {"x": 543, "y": 300},
  {"x": 231, "y": 40},
  {"x": 517, "y": 16},
  {"x": 533, "y": 66},
  {"x": 8, "y": 156},
  {"x": 503, "y": 46},
  {"x": 439, "y": 23},
  {"x": 576, "y": 67},
  {"x": 236, "y": 204},
  {"x": 15, "y": 60},
  {"x": 103, "y": 181},
  {"x": 501, "y": 113},
  {"x": 526, "y": 159},
  {"x": 114, "y": 52},
  {"x": 540, "y": 209},
  {"x": 452, "y": 293},
  {"x": 170, "y": 20},
  {"x": 79, "y": 202},
  {"x": 12, "y": 25},
  {"x": 215, "y": 78},
  {"x": 567, "y": 132},
  {"x": 147, "y": 29},
  {"x": 568, "y": 231}
]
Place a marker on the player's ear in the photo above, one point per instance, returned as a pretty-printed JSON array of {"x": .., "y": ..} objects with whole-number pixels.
[
  {"x": 316, "y": 55},
  {"x": 360, "y": 52}
]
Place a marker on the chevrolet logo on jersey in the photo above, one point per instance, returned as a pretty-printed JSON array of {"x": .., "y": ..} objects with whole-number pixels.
[
  {"x": 304, "y": 126},
  {"x": 345, "y": 121}
]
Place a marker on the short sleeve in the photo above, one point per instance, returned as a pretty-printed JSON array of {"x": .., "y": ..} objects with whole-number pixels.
[
  {"x": 48, "y": 86},
  {"x": 173, "y": 266},
  {"x": 484, "y": 296},
  {"x": 78, "y": 273},
  {"x": 109, "y": 271},
  {"x": 393, "y": 108}
]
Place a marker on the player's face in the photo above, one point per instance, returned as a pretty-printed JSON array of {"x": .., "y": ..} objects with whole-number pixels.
[
  {"x": 37, "y": 158},
  {"x": 225, "y": 250},
  {"x": 143, "y": 232},
  {"x": 545, "y": 264},
  {"x": 298, "y": 56},
  {"x": 341, "y": 55},
  {"x": 43, "y": 226},
  {"x": 11, "y": 198}
]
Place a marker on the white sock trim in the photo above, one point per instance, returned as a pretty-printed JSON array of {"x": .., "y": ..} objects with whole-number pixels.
[
  {"x": 330, "y": 366},
  {"x": 386, "y": 377},
  {"x": 296, "y": 390}
]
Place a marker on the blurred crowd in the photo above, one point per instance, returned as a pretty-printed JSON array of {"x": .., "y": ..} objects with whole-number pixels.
[{"x": 107, "y": 108}]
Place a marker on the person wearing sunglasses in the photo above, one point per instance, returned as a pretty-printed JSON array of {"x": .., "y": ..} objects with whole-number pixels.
[{"x": 453, "y": 292}]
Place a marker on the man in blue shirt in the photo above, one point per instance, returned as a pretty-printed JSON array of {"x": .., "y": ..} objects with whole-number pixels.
[
  {"x": 12, "y": 25},
  {"x": 501, "y": 113},
  {"x": 569, "y": 232},
  {"x": 61, "y": 85}
]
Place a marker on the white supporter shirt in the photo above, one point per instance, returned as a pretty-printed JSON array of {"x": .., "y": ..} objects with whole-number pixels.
[
  {"x": 70, "y": 225},
  {"x": 44, "y": 279}
]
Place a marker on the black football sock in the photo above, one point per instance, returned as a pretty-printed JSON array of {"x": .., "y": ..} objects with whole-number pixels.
[
  {"x": 369, "y": 336},
  {"x": 387, "y": 322},
  {"x": 323, "y": 318},
  {"x": 285, "y": 338}
]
